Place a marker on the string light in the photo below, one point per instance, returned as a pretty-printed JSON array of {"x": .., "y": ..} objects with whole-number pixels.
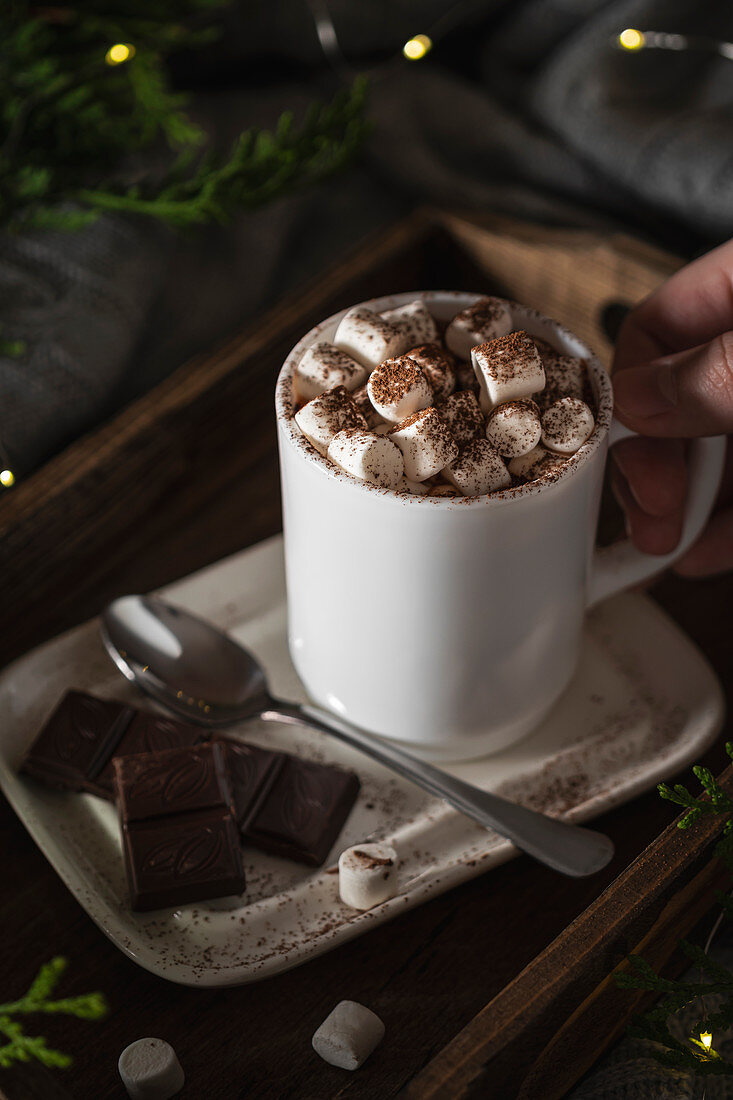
[
  {"x": 7, "y": 478},
  {"x": 631, "y": 39},
  {"x": 417, "y": 47},
  {"x": 119, "y": 53}
]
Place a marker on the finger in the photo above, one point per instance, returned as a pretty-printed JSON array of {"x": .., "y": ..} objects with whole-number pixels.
[
  {"x": 692, "y": 307},
  {"x": 650, "y": 534},
  {"x": 713, "y": 552},
  {"x": 655, "y": 472},
  {"x": 684, "y": 395}
]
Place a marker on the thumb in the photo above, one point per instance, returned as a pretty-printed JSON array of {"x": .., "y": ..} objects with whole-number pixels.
[{"x": 680, "y": 396}]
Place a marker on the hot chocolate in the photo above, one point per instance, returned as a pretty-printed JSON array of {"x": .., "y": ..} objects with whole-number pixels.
[{"x": 490, "y": 408}]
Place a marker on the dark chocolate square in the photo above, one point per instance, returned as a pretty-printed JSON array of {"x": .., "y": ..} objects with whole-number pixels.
[
  {"x": 76, "y": 741},
  {"x": 149, "y": 733},
  {"x": 174, "y": 781},
  {"x": 304, "y": 811},
  {"x": 252, "y": 772}
]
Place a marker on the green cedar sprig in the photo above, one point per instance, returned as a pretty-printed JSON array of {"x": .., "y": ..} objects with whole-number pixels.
[
  {"x": 20, "y": 1047},
  {"x": 72, "y": 126},
  {"x": 690, "y": 1055}
]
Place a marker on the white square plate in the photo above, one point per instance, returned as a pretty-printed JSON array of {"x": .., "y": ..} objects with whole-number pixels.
[{"x": 643, "y": 704}]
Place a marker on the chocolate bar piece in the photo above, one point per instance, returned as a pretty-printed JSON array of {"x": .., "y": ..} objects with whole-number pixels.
[
  {"x": 252, "y": 772},
  {"x": 77, "y": 741},
  {"x": 74, "y": 750},
  {"x": 179, "y": 832},
  {"x": 304, "y": 811}
]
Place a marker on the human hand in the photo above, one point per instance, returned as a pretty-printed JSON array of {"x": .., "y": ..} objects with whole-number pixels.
[{"x": 673, "y": 380}]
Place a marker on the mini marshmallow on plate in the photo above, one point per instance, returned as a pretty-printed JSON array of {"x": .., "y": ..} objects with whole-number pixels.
[
  {"x": 438, "y": 366},
  {"x": 369, "y": 339},
  {"x": 326, "y": 415},
  {"x": 514, "y": 428},
  {"x": 485, "y": 320},
  {"x": 348, "y": 1035},
  {"x": 508, "y": 369},
  {"x": 324, "y": 366},
  {"x": 566, "y": 425},
  {"x": 535, "y": 463},
  {"x": 367, "y": 875},
  {"x": 398, "y": 388},
  {"x": 462, "y": 413},
  {"x": 150, "y": 1070},
  {"x": 415, "y": 319},
  {"x": 367, "y": 456},
  {"x": 426, "y": 444},
  {"x": 478, "y": 469}
]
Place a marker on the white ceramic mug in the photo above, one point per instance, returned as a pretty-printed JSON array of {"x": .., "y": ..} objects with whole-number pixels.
[{"x": 453, "y": 624}]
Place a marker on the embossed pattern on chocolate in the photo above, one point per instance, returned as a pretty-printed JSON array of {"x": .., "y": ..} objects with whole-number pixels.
[
  {"x": 305, "y": 811},
  {"x": 77, "y": 741},
  {"x": 252, "y": 773},
  {"x": 150, "y": 733},
  {"x": 179, "y": 832}
]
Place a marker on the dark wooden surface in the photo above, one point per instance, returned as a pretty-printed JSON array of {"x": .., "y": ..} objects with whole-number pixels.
[{"x": 426, "y": 974}]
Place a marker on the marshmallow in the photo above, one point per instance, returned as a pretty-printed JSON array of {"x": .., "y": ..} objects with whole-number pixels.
[
  {"x": 514, "y": 428},
  {"x": 399, "y": 388},
  {"x": 367, "y": 875},
  {"x": 426, "y": 444},
  {"x": 508, "y": 369},
  {"x": 414, "y": 488},
  {"x": 150, "y": 1070},
  {"x": 415, "y": 320},
  {"x": 466, "y": 378},
  {"x": 485, "y": 320},
  {"x": 438, "y": 367},
  {"x": 478, "y": 469},
  {"x": 534, "y": 464},
  {"x": 367, "y": 456},
  {"x": 462, "y": 413},
  {"x": 565, "y": 377},
  {"x": 326, "y": 415},
  {"x": 348, "y": 1035},
  {"x": 442, "y": 490},
  {"x": 383, "y": 428},
  {"x": 566, "y": 425},
  {"x": 322, "y": 367},
  {"x": 365, "y": 407},
  {"x": 369, "y": 339}
]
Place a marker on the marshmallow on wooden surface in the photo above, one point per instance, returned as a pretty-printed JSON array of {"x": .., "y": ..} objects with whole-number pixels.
[
  {"x": 367, "y": 875},
  {"x": 508, "y": 369},
  {"x": 369, "y": 339},
  {"x": 367, "y": 456},
  {"x": 485, "y": 320},
  {"x": 324, "y": 366},
  {"x": 398, "y": 388},
  {"x": 365, "y": 407},
  {"x": 514, "y": 428},
  {"x": 348, "y": 1035},
  {"x": 478, "y": 469},
  {"x": 414, "y": 488},
  {"x": 150, "y": 1070},
  {"x": 535, "y": 463},
  {"x": 438, "y": 366},
  {"x": 566, "y": 425},
  {"x": 462, "y": 413},
  {"x": 326, "y": 415},
  {"x": 426, "y": 444},
  {"x": 415, "y": 320}
]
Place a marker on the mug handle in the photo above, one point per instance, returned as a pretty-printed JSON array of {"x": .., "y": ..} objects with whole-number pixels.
[{"x": 621, "y": 565}]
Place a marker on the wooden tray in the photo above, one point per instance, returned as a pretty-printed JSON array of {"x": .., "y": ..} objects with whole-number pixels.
[{"x": 188, "y": 474}]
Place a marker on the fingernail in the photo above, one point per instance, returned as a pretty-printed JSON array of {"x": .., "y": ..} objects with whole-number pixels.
[{"x": 646, "y": 391}]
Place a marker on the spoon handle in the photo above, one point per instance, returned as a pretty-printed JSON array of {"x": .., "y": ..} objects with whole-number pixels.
[{"x": 562, "y": 846}]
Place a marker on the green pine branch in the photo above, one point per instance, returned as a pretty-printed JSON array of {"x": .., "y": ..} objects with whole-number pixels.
[
  {"x": 72, "y": 124},
  {"x": 691, "y": 1056},
  {"x": 20, "y": 1047}
]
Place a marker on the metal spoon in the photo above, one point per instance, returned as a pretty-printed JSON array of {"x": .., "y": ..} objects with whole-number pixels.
[{"x": 203, "y": 675}]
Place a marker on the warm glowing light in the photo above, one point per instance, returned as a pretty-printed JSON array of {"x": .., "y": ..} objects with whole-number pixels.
[
  {"x": 119, "y": 53},
  {"x": 631, "y": 39},
  {"x": 417, "y": 47},
  {"x": 7, "y": 478},
  {"x": 706, "y": 1039}
]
